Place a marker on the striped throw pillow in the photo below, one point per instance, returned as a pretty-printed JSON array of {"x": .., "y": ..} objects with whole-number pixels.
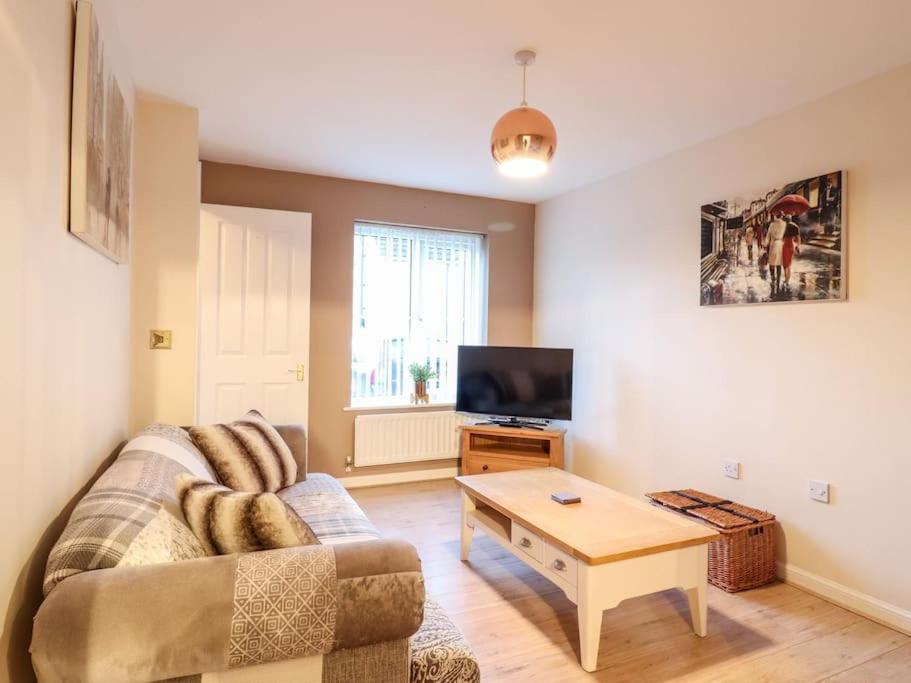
[
  {"x": 247, "y": 455},
  {"x": 227, "y": 521}
]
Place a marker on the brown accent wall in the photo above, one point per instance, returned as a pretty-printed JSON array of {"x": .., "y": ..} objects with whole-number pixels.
[{"x": 335, "y": 205}]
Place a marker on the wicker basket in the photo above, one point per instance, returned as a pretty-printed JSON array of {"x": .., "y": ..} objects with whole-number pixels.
[{"x": 743, "y": 557}]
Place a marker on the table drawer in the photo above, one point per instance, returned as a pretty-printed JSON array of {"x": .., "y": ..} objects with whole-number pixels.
[
  {"x": 559, "y": 564},
  {"x": 480, "y": 464},
  {"x": 529, "y": 543}
]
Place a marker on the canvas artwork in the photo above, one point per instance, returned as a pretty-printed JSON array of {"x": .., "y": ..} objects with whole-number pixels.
[
  {"x": 786, "y": 244},
  {"x": 101, "y": 145}
]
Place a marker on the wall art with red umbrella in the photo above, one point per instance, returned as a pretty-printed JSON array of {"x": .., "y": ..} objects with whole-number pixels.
[{"x": 783, "y": 245}]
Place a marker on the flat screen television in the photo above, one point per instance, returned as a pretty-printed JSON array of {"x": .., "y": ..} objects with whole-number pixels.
[{"x": 515, "y": 382}]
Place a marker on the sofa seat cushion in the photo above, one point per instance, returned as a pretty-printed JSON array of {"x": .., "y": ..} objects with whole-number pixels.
[
  {"x": 324, "y": 504},
  {"x": 227, "y": 521},
  {"x": 439, "y": 652},
  {"x": 131, "y": 515}
]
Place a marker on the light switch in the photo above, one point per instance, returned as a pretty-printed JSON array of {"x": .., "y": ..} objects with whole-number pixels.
[
  {"x": 160, "y": 339},
  {"x": 818, "y": 490}
]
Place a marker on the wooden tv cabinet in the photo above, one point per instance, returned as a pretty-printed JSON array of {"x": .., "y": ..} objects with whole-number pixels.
[{"x": 490, "y": 448}]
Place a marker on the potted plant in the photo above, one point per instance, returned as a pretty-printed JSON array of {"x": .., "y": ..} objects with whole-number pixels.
[{"x": 421, "y": 374}]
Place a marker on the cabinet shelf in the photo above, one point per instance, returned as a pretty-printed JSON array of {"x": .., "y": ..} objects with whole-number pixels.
[
  {"x": 494, "y": 522},
  {"x": 509, "y": 453}
]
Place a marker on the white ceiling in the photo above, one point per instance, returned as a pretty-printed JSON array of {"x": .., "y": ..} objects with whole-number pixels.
[{"x": 407, "y": 91}]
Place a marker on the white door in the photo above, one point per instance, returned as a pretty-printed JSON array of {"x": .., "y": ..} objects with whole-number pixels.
[{"x": 254, "y": 314}]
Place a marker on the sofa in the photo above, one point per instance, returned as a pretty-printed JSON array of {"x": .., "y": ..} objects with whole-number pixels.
[{"x": 131, "y": 595}]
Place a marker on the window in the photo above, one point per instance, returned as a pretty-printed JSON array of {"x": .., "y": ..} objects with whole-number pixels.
[{"x": 418, "y": 294}]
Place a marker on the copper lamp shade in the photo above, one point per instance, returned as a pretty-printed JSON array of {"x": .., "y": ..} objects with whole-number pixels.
[{"x": 523, "y": 142}]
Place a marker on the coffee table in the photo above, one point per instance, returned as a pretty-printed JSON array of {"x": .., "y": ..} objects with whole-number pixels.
[{"x": 599, "y": 552}]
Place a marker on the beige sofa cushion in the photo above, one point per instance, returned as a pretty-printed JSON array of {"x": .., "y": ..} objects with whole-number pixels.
[
  {"x": 247, "y": 455},
  {"x": 227, "y": 521}
]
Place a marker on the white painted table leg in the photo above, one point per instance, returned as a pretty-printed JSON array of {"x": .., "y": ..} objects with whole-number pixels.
[
  {"x": 699, "y": 611},
  {"x": 697, "y": 594},
  {"x": 589, "y": 634},
  {"x": 590, "y": 607},
  {"x": 467, "y": 530}
]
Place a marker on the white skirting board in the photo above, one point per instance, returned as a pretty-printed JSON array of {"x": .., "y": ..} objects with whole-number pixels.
[
  {"x": 361, "y": 480},
  {"x": 855, "y": 601}
]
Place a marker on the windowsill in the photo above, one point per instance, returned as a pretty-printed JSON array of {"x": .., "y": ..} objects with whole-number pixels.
[{"x": 397, "y": 405}]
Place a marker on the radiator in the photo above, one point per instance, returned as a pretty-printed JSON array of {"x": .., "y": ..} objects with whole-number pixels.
[{"x": 406, "y": 437}]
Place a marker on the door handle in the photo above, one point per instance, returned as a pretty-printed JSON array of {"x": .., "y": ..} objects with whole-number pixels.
[{"x": 299, "y": 371}]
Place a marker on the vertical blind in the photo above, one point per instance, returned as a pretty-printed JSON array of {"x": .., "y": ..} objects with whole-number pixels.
[{"x": 418, "y": 294}]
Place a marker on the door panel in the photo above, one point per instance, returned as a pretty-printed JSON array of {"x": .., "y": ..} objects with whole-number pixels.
[
  {"x": 278, "y": 293},
  {"x": 230, "y": 300},
  {"x": 229, "y": 399},
  {"x": 254, "y": 313}
]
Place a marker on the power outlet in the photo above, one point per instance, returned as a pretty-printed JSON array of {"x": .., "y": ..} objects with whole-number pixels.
[
  {"x": 349, "y": 462},
  {"x": 819, "y": 490},
  {"x": 731, "y": 468}
]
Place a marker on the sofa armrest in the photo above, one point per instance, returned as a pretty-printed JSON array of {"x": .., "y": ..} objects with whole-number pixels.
[{"x": 176, "y": 619}]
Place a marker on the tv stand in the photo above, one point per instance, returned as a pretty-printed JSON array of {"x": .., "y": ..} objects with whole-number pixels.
[{"x": 501, "y": 446}]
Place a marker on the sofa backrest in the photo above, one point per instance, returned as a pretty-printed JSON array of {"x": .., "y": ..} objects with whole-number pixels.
[
  {"x": 296, "y": 438},
  {"x": 131, "y": 515}
]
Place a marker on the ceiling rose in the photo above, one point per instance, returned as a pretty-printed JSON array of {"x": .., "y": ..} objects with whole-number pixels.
[{"x": 523, "y": 140}]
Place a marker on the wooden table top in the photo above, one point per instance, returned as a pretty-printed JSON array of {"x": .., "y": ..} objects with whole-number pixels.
[{"x": 605, "y": 527}]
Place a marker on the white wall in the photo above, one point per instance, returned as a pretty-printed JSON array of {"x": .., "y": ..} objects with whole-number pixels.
[
  {"x": 65, "y": 317},
  {"x": 666, "y": 389}
]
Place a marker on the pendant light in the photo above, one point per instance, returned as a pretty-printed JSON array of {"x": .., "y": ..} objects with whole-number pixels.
[{"x": 524, "y": 140}]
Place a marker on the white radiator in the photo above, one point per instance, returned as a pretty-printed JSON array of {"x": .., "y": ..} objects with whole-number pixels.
[{"x": 406, "y": 437}]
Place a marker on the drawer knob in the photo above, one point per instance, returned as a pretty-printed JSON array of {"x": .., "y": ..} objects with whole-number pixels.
[
  {"x": 559, "y": 565},
  {"x": 525, "y": 543},
  {"x": 485, "y": 467}
]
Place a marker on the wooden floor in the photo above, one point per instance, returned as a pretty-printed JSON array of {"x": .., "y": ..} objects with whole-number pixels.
[{"x": 522, "y": 628}]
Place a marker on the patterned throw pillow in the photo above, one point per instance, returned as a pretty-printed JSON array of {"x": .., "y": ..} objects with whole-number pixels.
[
  {"x": 227, "y": 521},
  {"x": 247, "y": 455}
]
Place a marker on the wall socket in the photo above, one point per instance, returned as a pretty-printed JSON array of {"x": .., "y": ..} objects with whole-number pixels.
[
  {"x": 349, "y": 461},
  {"x": 819, "y": 490},
  {"x": 731, "y": 468}
]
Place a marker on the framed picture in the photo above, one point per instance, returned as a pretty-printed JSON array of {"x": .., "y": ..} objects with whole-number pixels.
[
  {"x": 786, "y": 244},
  {"x": 101, "y": 145}
]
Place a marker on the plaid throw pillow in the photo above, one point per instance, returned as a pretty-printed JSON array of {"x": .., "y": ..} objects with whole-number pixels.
[
  {"x": 131, "y": 515},
  {"x": 227, "y": 521},
  {"x": 247, "y": 455}
]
